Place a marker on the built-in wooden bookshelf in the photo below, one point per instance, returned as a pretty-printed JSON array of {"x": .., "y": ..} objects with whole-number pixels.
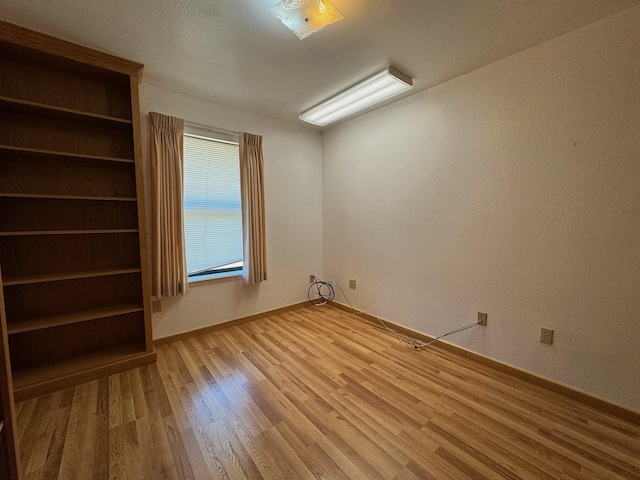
[{"x": 73, "y": 252}]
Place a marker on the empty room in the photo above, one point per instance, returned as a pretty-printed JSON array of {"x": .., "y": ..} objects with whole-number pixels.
[{"x": 320, "y": 239}]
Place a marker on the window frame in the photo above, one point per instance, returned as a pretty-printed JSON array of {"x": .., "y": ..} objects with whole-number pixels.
[{"x": 211, "y": 134}]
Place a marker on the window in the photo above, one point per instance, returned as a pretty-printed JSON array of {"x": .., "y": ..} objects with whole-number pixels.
[{"x": 212, "y": 213}]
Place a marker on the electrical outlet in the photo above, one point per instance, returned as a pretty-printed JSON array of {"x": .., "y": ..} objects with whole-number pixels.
[
  {"x": 546, "y": 335},
  {"x": 482, "y": 319},
  {"x": 352, "y": 283},
  {"x": 311, "y": 279}
]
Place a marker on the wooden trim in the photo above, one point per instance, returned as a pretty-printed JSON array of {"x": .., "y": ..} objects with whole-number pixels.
[
  {"x": 68, "y": 276},
  {"x": 46, "y": 386},
  {"x": 69, "y": 318},
  {"x": 54, "y": 196},
  {"x": 7, "y": 406},
  {"x": 229, "y": 323},
  {"x": 45, "y": 43},
  {"x": 142, "y": 214},
  {"x": 64, "y": 113},
  {"x": 45, "y": 233},
  {"x": 54, "y": 153},
  {"x": 598, "y": 403}
]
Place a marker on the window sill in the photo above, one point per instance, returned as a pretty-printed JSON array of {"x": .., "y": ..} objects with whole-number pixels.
[{"x": 215, "y": 278}]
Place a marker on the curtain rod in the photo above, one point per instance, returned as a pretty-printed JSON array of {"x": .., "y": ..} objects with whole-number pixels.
[{"x": 210, "y": 128}]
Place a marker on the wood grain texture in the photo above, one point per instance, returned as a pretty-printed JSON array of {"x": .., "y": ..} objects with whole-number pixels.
[
  {"x": 316, "y": 393},
  {"x": 45, "y": 347},
  {"x": 70, "y": 181},
  {"x": 72, "y": 317},
  {"x": 26, "y": 130},
  {"x": 30, "y": 383},
  {"x": 143, "y": 238},
  {"x": 32, "y": 173},
  {"x": 74, "y": 87},
  {"x": 582, "y": 397},
  {"x": 43, "y": 255},
  {"x": 30, "y": 302},
  {"x": 25, "y": 214},
  {"x": 9, "y": 467},
  {"x": 54, "y": 154},
  {"x": 230, "y": 323},
  {"x": 44, "y": 43},
  {"x": 63, "y": 113}
]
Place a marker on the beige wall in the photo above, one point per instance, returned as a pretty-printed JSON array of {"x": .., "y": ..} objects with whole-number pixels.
[
  {"x": 512, "y": 190},
  {"x": 293, "y": 184}
]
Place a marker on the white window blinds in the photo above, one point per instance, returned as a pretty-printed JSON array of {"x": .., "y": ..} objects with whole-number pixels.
[{"x": 212, "y": 214}]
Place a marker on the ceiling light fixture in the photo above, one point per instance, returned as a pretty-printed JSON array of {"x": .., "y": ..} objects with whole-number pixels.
[
  {"x": 305, "y": 17},
  {"x": 373, "y": 90}
]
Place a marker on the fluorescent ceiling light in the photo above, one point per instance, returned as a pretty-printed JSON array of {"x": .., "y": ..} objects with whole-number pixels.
[
  {"x": 373, "y": 90},
  {"x": 305, "y": 17}
]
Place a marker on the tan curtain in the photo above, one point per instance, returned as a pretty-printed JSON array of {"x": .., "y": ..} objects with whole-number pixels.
[
  {"x": 252, "y": 194},
  {"x": 169, "y": 266}
]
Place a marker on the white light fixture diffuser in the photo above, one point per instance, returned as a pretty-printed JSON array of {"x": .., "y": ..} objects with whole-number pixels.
[
  {"x": 305, "y": 17},
  {"x": 373, "y": 90}
]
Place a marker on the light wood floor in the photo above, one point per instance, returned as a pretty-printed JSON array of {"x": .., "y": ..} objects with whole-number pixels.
[{"x": 315, "y": 393}]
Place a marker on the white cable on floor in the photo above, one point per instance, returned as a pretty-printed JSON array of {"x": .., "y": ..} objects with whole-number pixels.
[{"x": 326, "y": 293}]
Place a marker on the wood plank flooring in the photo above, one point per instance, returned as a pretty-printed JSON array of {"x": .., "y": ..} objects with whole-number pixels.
[{"x": 316, "y": 393}]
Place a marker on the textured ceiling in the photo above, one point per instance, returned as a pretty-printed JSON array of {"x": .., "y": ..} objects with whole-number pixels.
[{"x": 236, "y": 53}]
